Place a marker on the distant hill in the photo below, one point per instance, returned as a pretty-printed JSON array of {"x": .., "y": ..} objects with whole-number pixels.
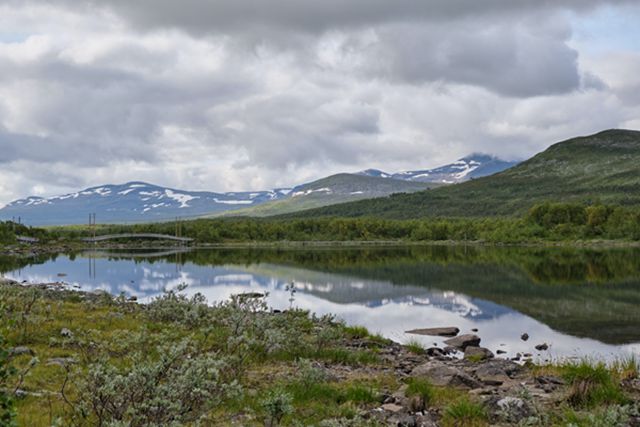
[
  {"x": 144, "y": 202},
  {"x": 334, "y": 189},
  {"x": 602, "y": 167},
  {"x": 470, "y": 167},
  {"x": 130, "y": 202}
]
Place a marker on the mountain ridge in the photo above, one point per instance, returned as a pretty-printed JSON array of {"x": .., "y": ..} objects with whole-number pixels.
[
  {"x": 603, "y": 167},
  {"x": 138, "y": 201}
]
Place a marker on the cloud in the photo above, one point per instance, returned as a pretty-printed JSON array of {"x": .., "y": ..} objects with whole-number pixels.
[{"x": 247, "y": 94}]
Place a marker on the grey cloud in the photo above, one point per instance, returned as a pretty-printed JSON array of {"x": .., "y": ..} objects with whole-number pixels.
[
  {"x": 508, "y": 58},
  {"x": 202, "y": 16}
]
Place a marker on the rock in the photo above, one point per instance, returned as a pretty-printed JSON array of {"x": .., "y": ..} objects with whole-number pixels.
[
  {"x": 474, "y": 330},
  {"x": 497, "y": 371},
  {"x": 476, "y": 353},
  {"x": 449, "y": 331},
  {"x": 20, "y": 350},
  {"x": 434, "y": 352},
  {"x": 511, "y": 410},
  {"x": 392, "y": 407},
  {"x": 501, "y": 352},
  {"x": 542, "y": 347},
  {"x": 549, "y": 379},
  {"x": 440, "y": 374},
  {"x": 524, "y": 337},
  {"x": 464, "y": 341},
  {"x": 450, "y": 350},
  {"x": 66, "y": 333}
]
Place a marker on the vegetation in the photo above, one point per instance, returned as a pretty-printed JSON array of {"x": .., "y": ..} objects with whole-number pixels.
[
  {"x": 180, "y": 361},
  {"x": 602, "y": 167},
  {"x": 545, "y": 222},
  {"x": 175, "y": 361},
  {"x": 7, "y": 408},
  {"x": 465, "y": 413}
]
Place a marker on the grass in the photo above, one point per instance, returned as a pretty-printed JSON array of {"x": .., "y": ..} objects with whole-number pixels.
[
  {"x": 465, "y": 413},
  {"x": 593, "y": 384},
  {"x": 102, "y": 328},
  {"x": 421, "y": 391},
  {"x": 415, "y": 346}
]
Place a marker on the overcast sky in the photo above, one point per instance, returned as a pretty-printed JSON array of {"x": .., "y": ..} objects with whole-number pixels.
[{"x": 228, "y": 95}]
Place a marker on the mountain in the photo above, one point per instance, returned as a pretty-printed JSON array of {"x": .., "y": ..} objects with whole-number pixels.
[
  {"x": 470, "y": 167},
  {"x": 334, "y": 189},
  {"x": 602, "y": 167},
  {"x": 140, "y": 201},
  {"x": 130, "y": 202}
]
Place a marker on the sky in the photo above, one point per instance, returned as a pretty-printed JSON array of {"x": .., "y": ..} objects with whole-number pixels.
[{"x": 230, "y": 95}]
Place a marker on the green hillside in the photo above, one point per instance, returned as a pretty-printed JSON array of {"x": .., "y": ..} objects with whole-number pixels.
[
  {"x": 604, "y": 167},
  {"x": 332, "y": 190}
]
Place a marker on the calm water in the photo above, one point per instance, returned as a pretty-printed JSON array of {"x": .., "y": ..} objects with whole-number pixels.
[{"x": 580, "y": 302}]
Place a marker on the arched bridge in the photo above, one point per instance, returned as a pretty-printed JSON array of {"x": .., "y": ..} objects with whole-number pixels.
[{"x": 136, "y": 236}]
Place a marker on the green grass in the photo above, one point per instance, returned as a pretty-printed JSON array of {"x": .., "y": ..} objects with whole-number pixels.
[
  {"x": 415, "y": 346},
  {"x": 593, "y": 384},
  {"x": 603, "y": 167},
  {"x": 423, "y": 392},
  {"x": 465, "y": 413}
]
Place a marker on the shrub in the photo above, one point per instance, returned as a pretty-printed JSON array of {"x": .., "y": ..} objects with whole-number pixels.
[
  {"x": 277, "y": 404},
  {"x": 177, "y": 387},
  {"x": 7, "y": 408}
]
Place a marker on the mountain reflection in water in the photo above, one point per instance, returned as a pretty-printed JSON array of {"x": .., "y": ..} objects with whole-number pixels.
[{"x": 579, "y": 301}]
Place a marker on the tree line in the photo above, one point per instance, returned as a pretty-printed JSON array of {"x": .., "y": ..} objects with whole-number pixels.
[{"x": 543, "y": 222}]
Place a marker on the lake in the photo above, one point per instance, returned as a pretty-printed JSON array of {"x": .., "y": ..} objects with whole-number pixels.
[{"x": 581, "y": 302}]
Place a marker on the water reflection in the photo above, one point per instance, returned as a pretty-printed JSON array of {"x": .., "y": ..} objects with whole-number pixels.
[{"x": 579, "y": 301}]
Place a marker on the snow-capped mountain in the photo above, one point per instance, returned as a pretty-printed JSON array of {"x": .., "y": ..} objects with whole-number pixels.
[
  {"x": 140, "y": 201},
  {"x": 473, "y": 166},
  {"x": 131, "y": 202}
]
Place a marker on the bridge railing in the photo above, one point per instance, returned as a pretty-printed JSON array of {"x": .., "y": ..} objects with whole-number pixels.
[{"x": 136, "y": 236}]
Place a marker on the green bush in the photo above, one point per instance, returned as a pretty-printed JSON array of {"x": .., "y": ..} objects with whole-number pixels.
[{"x": 7, "y": 406}]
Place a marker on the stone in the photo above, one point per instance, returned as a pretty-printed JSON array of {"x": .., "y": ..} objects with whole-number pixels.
[
  {"x": 21, "y": 350},
  {"x": 475, "y": 353},
  {"x": 405, "y": 420},
  {"x": 463, "y": 341},
  {"x": 497, "y": 371},
  {"x": 441, "y": 374},
  {"x": 449, "y": 331},
  {"x": 392, "y": 407},
  {"x": 66, "y": 333},
  {"x": 549, "y": 379},
  {"x": 542, "y": 347},
  {"x": 501, "y": 352},
  {"x": 450, "y": 350},
  {"x": 434, "y": 352},
  {"x": 474, "y": 330},
  {"x": 512, "y": 410},
  {"x": 524, "y": 336}
]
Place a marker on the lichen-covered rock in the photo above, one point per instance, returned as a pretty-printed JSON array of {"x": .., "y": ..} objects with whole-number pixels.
[
  {"x": 476, "y": 353},
  {"x": 464, "y": 341},
  {"x": 441, "y": 374}
]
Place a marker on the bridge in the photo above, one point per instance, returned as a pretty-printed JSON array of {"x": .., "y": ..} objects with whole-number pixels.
[{"x": 136, "y": 236}]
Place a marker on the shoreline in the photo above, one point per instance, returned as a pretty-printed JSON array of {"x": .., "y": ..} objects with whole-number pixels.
[
  {"x": 504, "y": 392},
  {"x": 31, "y": 249}
]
